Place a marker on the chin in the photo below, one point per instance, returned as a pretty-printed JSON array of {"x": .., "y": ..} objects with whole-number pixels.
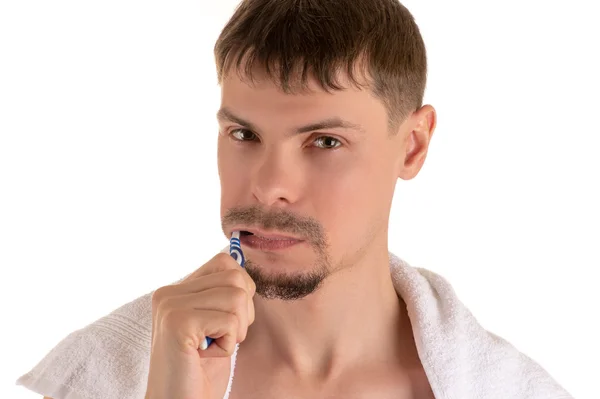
[{"x": 287, "y": 285}]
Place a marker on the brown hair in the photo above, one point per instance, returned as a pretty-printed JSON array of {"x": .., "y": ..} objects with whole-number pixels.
[{"x": 292, "y": 38}]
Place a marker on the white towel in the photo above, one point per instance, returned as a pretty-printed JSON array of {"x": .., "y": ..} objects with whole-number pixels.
[{"x": 109, "y": 359}]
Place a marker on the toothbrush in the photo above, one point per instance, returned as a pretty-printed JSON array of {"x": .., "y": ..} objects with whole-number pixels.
[{"x": 235, "y": 250}]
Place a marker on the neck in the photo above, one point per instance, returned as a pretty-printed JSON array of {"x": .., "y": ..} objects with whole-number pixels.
[{"x": 355, "y": 316}]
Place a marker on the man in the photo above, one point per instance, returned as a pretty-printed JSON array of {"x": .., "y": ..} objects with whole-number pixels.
[{"x": 321, "y": 113}]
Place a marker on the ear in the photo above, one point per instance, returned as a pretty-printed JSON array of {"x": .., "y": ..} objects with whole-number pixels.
[{"x": 420, "y": 131}]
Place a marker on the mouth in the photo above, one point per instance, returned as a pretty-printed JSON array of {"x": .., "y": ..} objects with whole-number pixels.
[
  {"x": 247, "y": 232},
  {"x": 267, "y": 242}
]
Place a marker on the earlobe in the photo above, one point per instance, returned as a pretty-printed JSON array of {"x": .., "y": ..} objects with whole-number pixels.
[{"x": 417, "y": 142}]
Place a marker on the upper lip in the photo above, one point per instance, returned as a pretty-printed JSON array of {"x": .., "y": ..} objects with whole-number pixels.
[{"x": 271, "y": 234}]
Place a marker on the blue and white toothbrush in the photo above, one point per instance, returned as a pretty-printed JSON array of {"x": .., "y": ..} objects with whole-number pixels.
[{"x": 235, "y": 250}]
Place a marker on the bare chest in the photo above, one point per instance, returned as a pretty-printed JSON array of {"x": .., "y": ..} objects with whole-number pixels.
[{"x": 371, "y": 384}]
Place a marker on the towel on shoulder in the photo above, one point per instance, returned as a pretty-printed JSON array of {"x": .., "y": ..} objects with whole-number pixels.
[{"x": 110, "y": 357}]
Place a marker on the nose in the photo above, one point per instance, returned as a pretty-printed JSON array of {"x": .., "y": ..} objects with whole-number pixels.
[{"x": 276, "y": 178}]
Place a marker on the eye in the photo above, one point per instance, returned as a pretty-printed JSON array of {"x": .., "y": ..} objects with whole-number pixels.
[
  {"x": 327, "y": 142},
  {"x": 243, "y": 135}
]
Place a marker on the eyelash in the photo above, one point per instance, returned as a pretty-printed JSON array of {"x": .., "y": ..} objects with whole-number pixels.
[{"x": 233, "y": 131}]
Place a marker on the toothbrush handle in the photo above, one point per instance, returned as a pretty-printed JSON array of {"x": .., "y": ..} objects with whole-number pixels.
[
  {"x": 208, "y": 341},
  {"x": 235, "y": 250}
]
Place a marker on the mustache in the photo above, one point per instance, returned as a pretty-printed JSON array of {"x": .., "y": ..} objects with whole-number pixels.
[{"x": 277, "y": 219}]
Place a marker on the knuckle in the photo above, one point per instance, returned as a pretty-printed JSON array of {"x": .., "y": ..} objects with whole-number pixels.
[
  {"x": 165, "y": 306},
  {"x": 252, "y": 286},
  {"x": 218, "y": 263},
  {"x": 235, "y": 277},
  {"x": 232, "y": 321},
  {"x": 187, "y": 341},
  {"x": 239, "y": 298},
  {"x": 159, "y": 296},
  {"x": 223, "y": 258}
]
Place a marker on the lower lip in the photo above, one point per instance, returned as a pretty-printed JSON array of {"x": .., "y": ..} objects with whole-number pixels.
[{"x": 265, "y": 244}]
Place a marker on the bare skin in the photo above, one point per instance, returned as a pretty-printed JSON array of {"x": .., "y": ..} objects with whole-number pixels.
[
  {"x": 352, "y": 338},
  {"x": 397, "y": 373}
]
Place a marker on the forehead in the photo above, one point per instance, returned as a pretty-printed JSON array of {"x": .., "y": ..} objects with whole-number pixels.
[{"x": 261, "y": 97}]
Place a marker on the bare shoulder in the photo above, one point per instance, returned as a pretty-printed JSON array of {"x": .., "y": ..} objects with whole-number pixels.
[{"x": 45, "y": 397}]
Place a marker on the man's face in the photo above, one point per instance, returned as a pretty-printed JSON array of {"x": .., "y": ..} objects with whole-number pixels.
[{"x": 319, "y": 168}]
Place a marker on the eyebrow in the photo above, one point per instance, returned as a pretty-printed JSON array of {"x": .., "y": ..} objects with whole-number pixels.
[{"x": 330, "y": 123}]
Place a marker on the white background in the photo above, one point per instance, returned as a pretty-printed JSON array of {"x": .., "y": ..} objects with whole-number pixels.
[{"x": 109, "y": 185}]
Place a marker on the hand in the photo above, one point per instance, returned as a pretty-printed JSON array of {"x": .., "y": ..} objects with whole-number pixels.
[{"x": 214, "y": 301}]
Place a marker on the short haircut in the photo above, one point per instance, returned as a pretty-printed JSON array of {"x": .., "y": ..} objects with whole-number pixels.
[{"x": 294, "y": 39}]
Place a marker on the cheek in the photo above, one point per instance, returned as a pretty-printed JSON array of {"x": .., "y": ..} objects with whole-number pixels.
[
  {"x": 354, "y": 181},
  {"x": 354, "y": 196},
  {"x": 231, "y": 176},
  {"x": 349, "y": 198}
]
